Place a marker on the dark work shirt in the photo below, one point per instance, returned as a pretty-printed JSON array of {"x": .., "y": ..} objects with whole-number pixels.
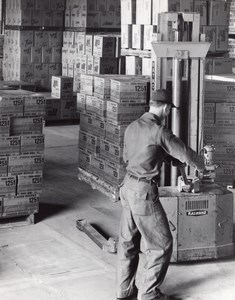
[{"x": 146, "y": 144}]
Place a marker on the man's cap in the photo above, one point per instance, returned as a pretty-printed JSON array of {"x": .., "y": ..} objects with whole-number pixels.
[{"x": 163, "y": 96}]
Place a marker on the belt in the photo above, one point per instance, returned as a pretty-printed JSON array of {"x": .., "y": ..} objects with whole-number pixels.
[{"x": 142, "y": 179}]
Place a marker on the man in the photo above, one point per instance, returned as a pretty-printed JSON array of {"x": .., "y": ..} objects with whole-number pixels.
[{"x": 144, "y": 225}]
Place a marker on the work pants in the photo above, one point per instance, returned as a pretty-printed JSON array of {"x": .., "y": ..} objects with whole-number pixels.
[{"x": 144, "y": 227}]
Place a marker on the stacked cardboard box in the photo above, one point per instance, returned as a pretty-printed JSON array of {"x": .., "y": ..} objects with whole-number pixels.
[
  {"x": 33, "y": 41},
  {"x": 141, "y": 25},
  {"x": 106, "y": 108},
  {"x": 61, "y": 104},
  {"x": 219, "y": 124},
  {"x": 93, "y": 14},
  {"x": 90, "y": 54},
  {"x": 21, "y": 152}
]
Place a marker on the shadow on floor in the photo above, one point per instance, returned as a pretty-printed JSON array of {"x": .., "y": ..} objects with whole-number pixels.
[{"x": 47, "y": 210}]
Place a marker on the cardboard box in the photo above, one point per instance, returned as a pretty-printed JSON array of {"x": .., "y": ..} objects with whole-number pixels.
[
  {"x": 9, "y": 145},
  {"x": 90, "y": 64},
  {"x": 40, "y": 72},
  {"x": 99, "y": 126},
  {"x": 115, "y": 133},
  {"x": 138, "y": 36},
  {"x": 221, "y": 38},
  {"x": 112, "y": 152},
  {"x": 128, "y": 11},
  {"x": 126, "y": 36},
  {"x": 105, "y": 65},
  {"x": 7, "y": 186},
  {"x": 34, "y": 105},
  {"x": 102, "y": 86},
  {"x": 104, "y": 46},
  {"x": 62, "y": 87},
  {"x": 32, "y": 144},
  {"x": 82, "y": 140},
  {"x": 89, "y": 38},
  {"x": 41, "y": 39},
  {"x": 53, "y": 109},
  {"x": 225, "y": 111},
  {"x": 209, "y": 113},
  {"x": 97, "y": 167},
  {"x": 26, "y": 125},
  {"x": 81, "y": 102},
  {"x": 11, "y": 105},
  {"x": 148, "y": 36},
  {"x": 87, "y": 84},
  {"x": 29, "y": 184},
  {"x": 144, "y": 12},
  {"x": 124, "y": 111},
  {"x": 114, "y": 173},
  {"x": 210, "y": 33},
  {"x": 36, "y": 55},
  {"x": 201, "y": 7},
  {"x": 69, "y": 109},
  {"x": 57, "y": 18},
  {"x": 56, "y": 55},
  {"x": 86, "y": 122},
  {"x": 3, "y": 166},
  {"x": 20, "y": 206},
  {"x": 57, "y": 4},
  {"x": 4, "y": 126},
  {"x": 84, "y": 160},
  {"x": 93, "y": 144},
  {"x": 128, "y": 90},
  {"x": 21, "y": 164},
  {"x": 133, "y": 65},
  {"x": 55, "y": 39},
  {"x": 218, "y": 12}
]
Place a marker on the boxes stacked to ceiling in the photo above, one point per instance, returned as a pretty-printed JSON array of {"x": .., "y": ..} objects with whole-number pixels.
[
  {"x": 219, "y": 127},
  {"x": 33, "y": 40},
  {"x": 21, "y": 152},
  {"x": 215, "y": 25},
  {"x": 107, "y": 104},
  {"x": 140, "y": 27}
]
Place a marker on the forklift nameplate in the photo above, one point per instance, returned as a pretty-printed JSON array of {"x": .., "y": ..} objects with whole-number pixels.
[{"x": 197, "y": 213}]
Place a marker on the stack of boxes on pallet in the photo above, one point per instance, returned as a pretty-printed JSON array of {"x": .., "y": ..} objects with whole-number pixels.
[
  {"x": 107, "y": 104},
  {"x": 90, "y": 54},
  {"x": 33, "y": 40},
  {"x": 219, "y": 127},
  {"x": 21, "y": 152}
]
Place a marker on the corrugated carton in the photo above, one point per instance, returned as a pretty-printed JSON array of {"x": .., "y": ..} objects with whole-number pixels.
[
  {"x": 9, "y": 145},
  {"x": 30, "y": 183},
  {"x": 26, "y": 125},
  {"x": 7, "y": 186},
  {"x": 20, "y": 206},
  {"x": 3, "y": 166},
  {"x": 4, "y": 126},
  {"x": 32, "y": 143},
  {"x": 21, "y": 164},
  {"x": 62, "y": 87}
]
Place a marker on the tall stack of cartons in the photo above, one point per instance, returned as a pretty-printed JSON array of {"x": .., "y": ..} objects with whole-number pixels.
[
  {"x": 219, "y": 124},
  {"x": 140, "y": 25},
  {"x": 107, "y": 104},
  {"x": 33, "y": 40},
  {"x": 21, "y": 152}
]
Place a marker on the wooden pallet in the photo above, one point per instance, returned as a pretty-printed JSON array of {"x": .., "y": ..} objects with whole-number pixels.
[
  {"x": 98, "y": 184},
  {"x": 16, "y": 221}
]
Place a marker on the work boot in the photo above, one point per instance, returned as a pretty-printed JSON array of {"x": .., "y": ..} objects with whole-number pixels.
[
  {"x": 132, "y": 297},
  {"x": 161, "y": 296}
]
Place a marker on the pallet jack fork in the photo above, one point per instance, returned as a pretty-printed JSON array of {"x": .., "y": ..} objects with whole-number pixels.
[{"x": 107, "y": 245}]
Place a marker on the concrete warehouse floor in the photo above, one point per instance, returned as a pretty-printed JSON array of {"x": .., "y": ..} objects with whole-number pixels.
[{"x": 53, "y": 260}]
